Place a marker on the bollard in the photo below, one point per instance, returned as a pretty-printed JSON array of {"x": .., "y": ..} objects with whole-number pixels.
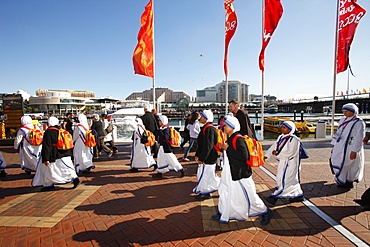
[
  {"x": 295, "y": 113},
  {"x": 302, "y": 116},
  {"x": 256, "y": 117}
]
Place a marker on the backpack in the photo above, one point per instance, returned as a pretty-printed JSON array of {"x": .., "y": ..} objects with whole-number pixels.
[
  {"x": 256, "y": 156},
  {"x": 65, "y": 139},
  {"x": 35, "y": 136},
  {"x": 109, "y": 129},
  {"x": 89, "y": 140},
  {"x": 221, "y": 138},
  {"x": 147, "y": 138},
  {"x": 175, "y": 138}
]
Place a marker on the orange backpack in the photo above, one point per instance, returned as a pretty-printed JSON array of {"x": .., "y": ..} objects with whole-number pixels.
[
  {"x": 65, "y": 139},
  {"x": 175, "y": 138},
  {"x": 221, "y": 138},
  {"x": 89, "y": 138},
  {"x": 254, "y": 148},
  {"x": 35, "y": 136}
]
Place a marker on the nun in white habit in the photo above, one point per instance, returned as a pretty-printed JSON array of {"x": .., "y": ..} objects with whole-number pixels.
[
  {"x": 166, "y": 160},
  {"x": 30, "y": 155},
  {"x": 347, "y": 157},
  {"x": 287, "y": 151},
  {"x": 141, "y": 157},
  {"x": 83, "y": 155},
  {"x": 206, "y": 157},
  {"x": 238, "y": 197},
  {"x": 57, "y": 166}
]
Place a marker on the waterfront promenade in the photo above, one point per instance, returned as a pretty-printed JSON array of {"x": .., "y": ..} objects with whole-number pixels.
[{"x": 114, "y": 207}]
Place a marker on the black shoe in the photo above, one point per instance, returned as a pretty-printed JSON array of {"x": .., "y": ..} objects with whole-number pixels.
[
  {"x": 3, "y": 174},
  {"x": 134, "y": 170},
  {"x": 155, "y": 167},
  {"x": 296, "y": 199},
  {"x": 110, "y": 154},
  {"x": 183, "y": 172},
  {"x": 266, "y": 218},
  {"x": 347, "y": 185},
  {"x": 362, "y": 203},
  {"x": 76, "y": 182},
  {"x": 216, "y": 217},
  {"x": 157, "y": 175},
  {"x": 202, "y": 197},
  {"x": 48, "y": 188},
  {"x": 272, "y": 200}
]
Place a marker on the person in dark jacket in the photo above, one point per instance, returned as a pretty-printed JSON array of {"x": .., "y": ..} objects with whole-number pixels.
[
  {"x": 98, "y": 127},
  {"x": 151, "y": 123},
  {"x": 238, "y": 197},
  {"x": 206, "y": 156},
  {"x": 57, "y": 166},
  {"x": 246, "y": 127},
  {"x": 166, "y": 160}
]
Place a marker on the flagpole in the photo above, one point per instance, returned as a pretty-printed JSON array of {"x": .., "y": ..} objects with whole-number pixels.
[
  {"x": 154, "y": 105},
  {"x": 263, "y": 78},
  {"x": 347, "y": 82},
  {"x": 335, "y": 71},
  {"x": 226, "y": 94}
]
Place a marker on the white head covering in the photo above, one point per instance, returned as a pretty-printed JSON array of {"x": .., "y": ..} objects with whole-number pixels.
[
  {"x": 26, "y": 120},
  {"x": 53, "y": 121},
  {"x": 82, "y": 119},
  {"x": 350, "y": 107},
  {"x": 208, "y": 115},
  {"x": 290, "y": 125},
  {"x": 139, "y": 120},
  {"x": 163, "y": 119},
  {"x": 233, "y": 123}
]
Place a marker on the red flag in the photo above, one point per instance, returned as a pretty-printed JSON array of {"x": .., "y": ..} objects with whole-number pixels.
[
  {"x": 350, "y": 14},
  {"x": 143, "y": 57},
  {"x": 231, "y": 23},
  {"x": 272, "y": 14}
]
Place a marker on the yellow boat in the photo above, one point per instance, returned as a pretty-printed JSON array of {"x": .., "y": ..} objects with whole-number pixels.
[{"x": 273, "y": 124}]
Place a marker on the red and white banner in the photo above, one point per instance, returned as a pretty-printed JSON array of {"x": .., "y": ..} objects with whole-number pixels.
[
  {"x": 231, "y": 23},
  {"x": 143, "y": 57},
  {"x": 350, "y": 14},
  {"x": 272, "y": 13}
]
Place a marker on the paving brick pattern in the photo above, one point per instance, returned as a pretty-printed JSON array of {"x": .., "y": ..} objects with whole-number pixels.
[{"x": 114, "y": 207}]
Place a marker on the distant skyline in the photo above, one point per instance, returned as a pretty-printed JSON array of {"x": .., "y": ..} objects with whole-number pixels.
[{"x": 88, "y": 45}]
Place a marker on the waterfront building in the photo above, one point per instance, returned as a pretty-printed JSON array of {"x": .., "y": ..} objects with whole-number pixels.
[
  {"x": 162, "y": 95},
  {"x": 236, "y": 91},
  {"x": 58, "y": 101}
]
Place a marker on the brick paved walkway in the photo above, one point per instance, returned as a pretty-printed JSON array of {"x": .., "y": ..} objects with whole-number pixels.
[{"x": 114, "y": 207}]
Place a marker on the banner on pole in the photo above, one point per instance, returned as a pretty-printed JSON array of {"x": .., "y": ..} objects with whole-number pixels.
[
  {"x": 350, "y": 14},
  {"x": 272, "y": 12},
  {"x": 143, "y": 57},
  {"x": 231, "y": 23}
]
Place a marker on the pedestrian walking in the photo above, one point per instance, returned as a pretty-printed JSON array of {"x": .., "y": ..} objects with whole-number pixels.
[
  {"x": 287, "y": 149},
  {"x": 98, "y": 127},
  {"x": 141, "y": 157},
  {"x": 57, "y": 166},
  {"x": 166, "y": 160},
  {"x": 206, "y": 157},
  {"x": 30, "y": 155},
  {"x": 347, "y": 156},
  {"x": 194, "y": 128},
  {"x": 238, "y": 197},
  {"x": 82, "y": 154}
]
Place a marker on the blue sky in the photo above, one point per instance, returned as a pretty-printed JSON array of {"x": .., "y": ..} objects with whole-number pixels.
[{"x": 88, "y": 45}]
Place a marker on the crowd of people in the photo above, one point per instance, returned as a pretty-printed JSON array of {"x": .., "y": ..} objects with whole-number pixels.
[{"x": 238, "y": 199}]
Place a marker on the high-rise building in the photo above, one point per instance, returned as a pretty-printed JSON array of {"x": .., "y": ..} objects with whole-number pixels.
[{"x": 236, "y": 91}]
